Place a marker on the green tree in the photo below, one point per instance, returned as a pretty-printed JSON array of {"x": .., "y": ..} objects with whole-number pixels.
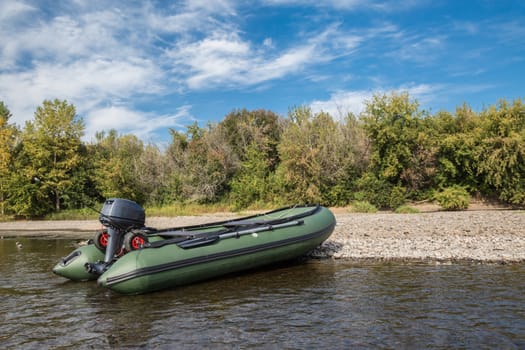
[
  {"x": 243, "y": 129},
  {"x": 317, "y": 160},
  {"x": 117, "y": 166},
  {"x": 210, "y": 165},
  {"x": 7, "y": 143},
  {"x": 153, "y": 176},
  {"x": 458, "y": 138},
  {"x": 253, "y": 136},
  {"x": 49, "y": 153},
  {"x": 84, "y": 192},
  {"x": 402, "y": 153},
  {"x": 201, "y": 162},
  {"x": 350, "y": 154},
  {"x": 176, "y": 159},
  {"x": 251, "y": 184},
  {"x": 501, "y": 154}
]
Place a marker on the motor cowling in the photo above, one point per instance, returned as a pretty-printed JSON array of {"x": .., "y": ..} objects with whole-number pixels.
[
  {"x": 119, "y": 216},
  {"x": 122, "y": 214}
]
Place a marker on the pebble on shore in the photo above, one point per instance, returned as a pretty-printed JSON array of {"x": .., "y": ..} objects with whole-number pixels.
[
  {"x": 473, "y": 235},
  {"x": 478, "y": 236}
]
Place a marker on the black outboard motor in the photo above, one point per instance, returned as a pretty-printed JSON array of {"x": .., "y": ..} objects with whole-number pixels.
[{"x": 119, "y": 216}]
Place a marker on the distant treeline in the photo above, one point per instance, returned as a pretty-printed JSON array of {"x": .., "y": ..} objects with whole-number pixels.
[{"x": 393, "y": 152}]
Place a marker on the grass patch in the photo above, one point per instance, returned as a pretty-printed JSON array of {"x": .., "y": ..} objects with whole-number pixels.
[
  {"x": 406, "y": 209},
  {"x": 73, "y": 214},
  {"x": 362, "y": 207},
  {"x": 172, "y": 210},
  {"x": 181, "y": 209}
]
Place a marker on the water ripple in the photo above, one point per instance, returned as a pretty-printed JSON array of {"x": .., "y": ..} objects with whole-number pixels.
[{"x": 317, "y": 304}]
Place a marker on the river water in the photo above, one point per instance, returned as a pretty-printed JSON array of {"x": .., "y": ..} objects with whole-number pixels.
[{"x": 308, "y": 305}]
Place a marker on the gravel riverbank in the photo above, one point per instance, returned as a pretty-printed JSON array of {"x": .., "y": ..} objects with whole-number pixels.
[{"x": 476, "y": 236}]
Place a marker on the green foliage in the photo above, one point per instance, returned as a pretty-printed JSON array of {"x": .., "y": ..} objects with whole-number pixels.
[
  {"x": 243, "y": 129},
  {"x": 153, "y": 176},
  {"x": 49, "y": 151},
  {"x": 391, "y": 153},
  {"x": 7, "y": 143},
  {"x": 379, "y": 193},
  {"x": 203, "y": 164},
  {"x": 300, "y": 167},
  {"x": 27, "y": 198},
  {"x": 456, "y": 152},
  {"x": 319, "y": 158},
  {"x": 374, "y": 190},
  {"x": 397, "y": 197},
  {"x": 338, "y": 194},
  {"x": 75, "y": 214},
  {"x": 116, "y": 166},
  {"x": 402, "y": 141},
  {"x": 453, "y": 198},
  {"x": 406, "y": 209},
  {"x": 501, "y": 151},
  {"x": 363, "y": 207},
  {"x": 253, "y": 138},
  {"x": 251, "y": 183}
]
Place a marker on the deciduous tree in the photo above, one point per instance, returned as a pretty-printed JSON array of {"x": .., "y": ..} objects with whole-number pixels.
[
  {"x": 501, "y": 154},
  {"x": 7, "y": 143},
  {"x": 402, "y": 154},
  {"x": 117, "y": 166},
  {"x": 317, "y": 162}
]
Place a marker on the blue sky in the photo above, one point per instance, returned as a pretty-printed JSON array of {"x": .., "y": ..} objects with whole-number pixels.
[{"x": 143, "y": 67}]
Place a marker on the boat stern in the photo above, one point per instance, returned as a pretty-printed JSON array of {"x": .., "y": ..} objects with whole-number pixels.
[{"x": 73, "y": 266}]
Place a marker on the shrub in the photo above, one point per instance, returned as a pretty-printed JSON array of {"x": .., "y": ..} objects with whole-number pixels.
[
  {"x": 373, "y": 190},
  {"x": 397, "y": 197},
  {"x": 453, "y": 198},
  {"x": 363, "y": 207}
]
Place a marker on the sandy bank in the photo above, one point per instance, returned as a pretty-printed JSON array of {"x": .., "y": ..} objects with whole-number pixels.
[{"x": 484, "y": 236}]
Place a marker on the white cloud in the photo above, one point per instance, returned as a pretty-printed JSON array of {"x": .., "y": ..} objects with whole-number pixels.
[
  {"x": 341, "y": 103},
  {"x": 123, "y": 119},
  {"x": 207, "y": 6},
  {"x": 226, "y": 60},
  {"x": 268, "y": 42},
  {"x": 92, "y": 59},
  {"x": 64, "y": 39},
  {"x": 86, "y": 84},
  {"x": 10, "y": 11},
  {"x": 351, "y": 5},
  {"x": 420, "y": 49},
  {"x": 99, "y": 54},
  {"x": 191, "y": 16},
  {"x": 338, "y": 4},
  {"x": 108, "y": 57}
]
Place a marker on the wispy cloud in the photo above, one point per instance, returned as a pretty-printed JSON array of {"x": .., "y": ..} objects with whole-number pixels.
[
  {"x": 143, "y": 125},
  {"x": 116, "y": 61},
  {"x": 228, "y": 60},
  {"x": 105, "y": 56},
  {"x": 92, "y": 59},
  {"x": 351, "y": 5},
  {"x": 100, "y": 54},
  {"x": 341, "y": 103},
  {"x": 339, "y": 4}
]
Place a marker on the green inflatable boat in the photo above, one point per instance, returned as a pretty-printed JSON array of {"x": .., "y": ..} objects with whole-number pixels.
[{"x": 130, "y": 258}]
